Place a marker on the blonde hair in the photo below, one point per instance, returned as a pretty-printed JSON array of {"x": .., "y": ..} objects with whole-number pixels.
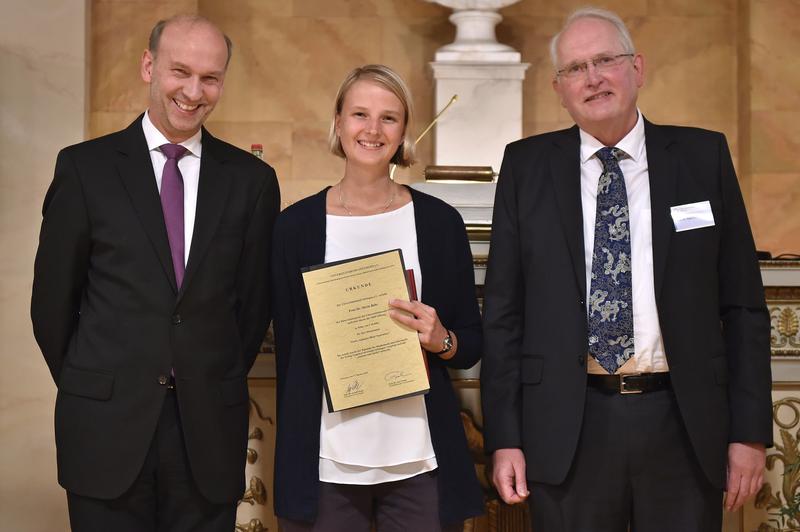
[{"x": 391, "y": 81}]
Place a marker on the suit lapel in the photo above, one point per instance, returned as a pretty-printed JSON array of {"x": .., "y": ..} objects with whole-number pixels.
[
  {"x": 212, "y": 194},
  {"x": 565, "y": 172},
  {"x": 663, "y": 172},
  {"x": 136, "y": 171}
]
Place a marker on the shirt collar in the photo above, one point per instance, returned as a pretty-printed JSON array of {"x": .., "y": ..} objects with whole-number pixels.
[
  {"x": 632, "y": 143},
  {"x": 156, "y": 139}
]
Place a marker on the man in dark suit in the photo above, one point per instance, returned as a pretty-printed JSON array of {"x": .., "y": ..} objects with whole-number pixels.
[
  {"x": 626, "y": 371},
  {"x": 150, "y": 300}
]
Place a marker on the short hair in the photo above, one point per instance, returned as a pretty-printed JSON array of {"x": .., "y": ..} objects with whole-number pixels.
[
  {"x": 598, "y": 13},
  {"x": 158, "y": 29},
  {"x": 391, "y": 81}
]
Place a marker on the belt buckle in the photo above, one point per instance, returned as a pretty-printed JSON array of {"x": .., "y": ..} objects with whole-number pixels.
[{"x": 622, "y": 389}]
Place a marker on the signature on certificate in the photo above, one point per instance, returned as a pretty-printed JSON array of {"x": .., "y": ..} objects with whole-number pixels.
[
  {"x": 396, "y": 377},
  {"x": 353, "y": 387}
]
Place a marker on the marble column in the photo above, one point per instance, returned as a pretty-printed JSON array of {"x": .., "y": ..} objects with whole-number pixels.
[
  {"x": 44, "y": 92},
  {"x": 487, "y": 76},
  {"x": 486, "y": 116}
]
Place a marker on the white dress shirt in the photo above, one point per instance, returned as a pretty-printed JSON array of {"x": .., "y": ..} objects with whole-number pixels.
[
  {"x": 189, "y": 165},
  {"x": 649, "y": 346},
  {"x": 391, "y": 440}
]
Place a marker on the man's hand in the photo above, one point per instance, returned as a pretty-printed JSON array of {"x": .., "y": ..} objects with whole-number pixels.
[
  {"x": 509, "y": 475},
  {"x": 746, "y": 463}
]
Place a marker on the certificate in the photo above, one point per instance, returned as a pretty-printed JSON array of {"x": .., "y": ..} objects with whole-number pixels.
[{"x": 366, "y": 356}]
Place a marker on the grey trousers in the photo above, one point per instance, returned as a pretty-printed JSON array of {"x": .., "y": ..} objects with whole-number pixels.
[{"x": 406, "y": 505}]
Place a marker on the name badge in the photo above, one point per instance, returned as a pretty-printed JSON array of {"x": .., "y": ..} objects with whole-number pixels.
[{"x": 692, "y": 216}]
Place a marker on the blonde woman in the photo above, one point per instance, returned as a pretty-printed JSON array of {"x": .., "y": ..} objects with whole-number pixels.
[{"x": 401, "y": 464}]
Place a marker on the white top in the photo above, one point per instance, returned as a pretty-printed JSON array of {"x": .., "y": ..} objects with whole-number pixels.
[
  {"x": 386, "y": 441},
  {"x": 189, "y": 165},
  {"x": 649, "y": 355}
]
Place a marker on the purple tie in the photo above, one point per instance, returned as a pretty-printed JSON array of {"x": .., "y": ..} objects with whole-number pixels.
[{"x": 172, "y": 205}]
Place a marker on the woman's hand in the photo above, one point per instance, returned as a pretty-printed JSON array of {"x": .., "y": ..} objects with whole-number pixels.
[{"x": 425, "y": 321}]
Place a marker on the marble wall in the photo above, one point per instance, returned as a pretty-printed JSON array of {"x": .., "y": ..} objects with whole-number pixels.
[
  {"x": 42, "y": 109},
  {"x": 720, "y": 64},
  {"x": 725, "y": 66},
  {"x": 773, "y": 140}
]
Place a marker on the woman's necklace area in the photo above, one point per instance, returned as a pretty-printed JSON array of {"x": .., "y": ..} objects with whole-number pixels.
[{"x": 386, "y": 206}]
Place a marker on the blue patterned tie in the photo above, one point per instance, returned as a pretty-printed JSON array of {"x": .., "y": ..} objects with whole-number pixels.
[{"x": 610, "y": 301}]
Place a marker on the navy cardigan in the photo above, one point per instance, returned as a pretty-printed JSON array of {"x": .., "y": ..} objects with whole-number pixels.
[{"x": 449, "y": 287}]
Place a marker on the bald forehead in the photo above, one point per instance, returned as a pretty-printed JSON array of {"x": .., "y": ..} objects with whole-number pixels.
[
  {"x": 184, "y": 26},
  {"x": 581, "y": 35},
  {"x": 183, "y": 35}
]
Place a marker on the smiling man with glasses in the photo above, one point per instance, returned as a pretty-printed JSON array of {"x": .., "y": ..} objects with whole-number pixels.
[
  {"x": 626, "y": 375},
  {"x": 601, "y": 63}
]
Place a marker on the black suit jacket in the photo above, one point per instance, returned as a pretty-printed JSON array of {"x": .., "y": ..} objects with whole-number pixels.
[
  {"x": 448, "y": 286},
  {"x": 709, "y": 296},
  {"x": 111, "y": 323}
]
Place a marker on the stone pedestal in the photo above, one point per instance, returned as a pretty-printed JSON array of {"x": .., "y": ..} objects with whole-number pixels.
[
  {"x": 476, "y": 129},
  {"x": 487, "y": 77},
  {"x": 487, "y": 114}
]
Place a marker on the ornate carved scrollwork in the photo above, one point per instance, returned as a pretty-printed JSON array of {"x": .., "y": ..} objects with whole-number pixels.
[
  {"x": 254, "y": 525},
  {"x": 252, "y": 454},
  {"x": 256, "y": 493},
  {"x": 500, "y": 516},
  {"x": 783, "y": 505},
  {"x": 260, "y": 413},
  {"x": 257, "y": 490},
  {"x": 785, "y": 320},
  {"x": 784, "y": 314}
]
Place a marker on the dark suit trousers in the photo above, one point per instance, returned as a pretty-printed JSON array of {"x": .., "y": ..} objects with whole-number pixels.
[
  {"x": 634, "y": 467},
  {"x": 164, "y": 497}
]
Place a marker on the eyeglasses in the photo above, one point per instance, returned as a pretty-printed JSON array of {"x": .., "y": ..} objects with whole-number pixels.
[{"x": 601, "y": 63}]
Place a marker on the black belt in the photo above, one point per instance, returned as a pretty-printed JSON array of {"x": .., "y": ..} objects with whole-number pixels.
[{"x": 631, "y": 383}]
